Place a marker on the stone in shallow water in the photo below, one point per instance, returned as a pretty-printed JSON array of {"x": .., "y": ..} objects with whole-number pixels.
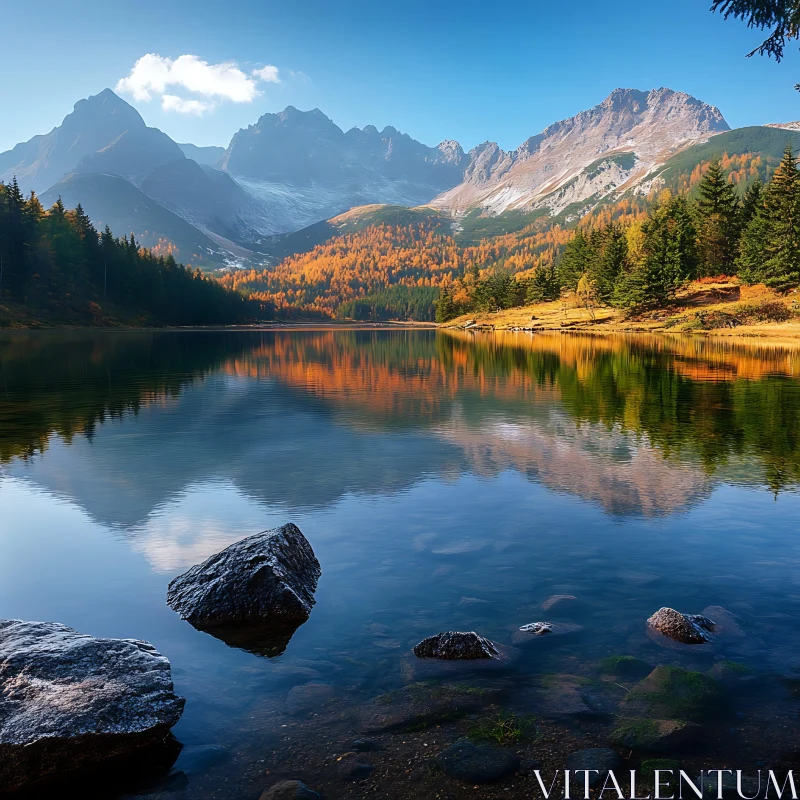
[
  {"x": 543, "y": 630},
  {"x": 674, "y": 693},
  {"x": 289, "y": 790},
  {"x": 254, "y": 594},
  {"x": 69, "y": 700},
  {"x": 625, "y": 667},
  {"x": 732, "y": 674},
  {"x": 566, "y": 696},
  {"x": 310, "y": 697},
  {"x": 477, "y": 763},
  {"x": 683, "y": 628},
  {"x": 537, "y": 628},
  {"x": 655, "y": 735},
  {"x": 354, "y": 767},
  {"x": 421, "y": 704},
  {"x": 601, "y": 759},
  {"x": 560, "y": 603},
  {"x": 456, "y": 645}
]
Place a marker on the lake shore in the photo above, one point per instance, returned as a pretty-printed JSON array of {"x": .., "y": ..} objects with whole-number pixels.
[{"x": 718, "y": 307}]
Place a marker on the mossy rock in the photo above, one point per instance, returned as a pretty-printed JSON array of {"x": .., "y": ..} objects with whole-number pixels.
[
  {"x": 655, "y": 735},
  {"x": 674, "y": 693},
  {"x": 624, "y": 667}
]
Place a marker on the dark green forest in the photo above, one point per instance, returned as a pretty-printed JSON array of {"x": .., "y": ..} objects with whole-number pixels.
[{"x": 55, "y": 265}]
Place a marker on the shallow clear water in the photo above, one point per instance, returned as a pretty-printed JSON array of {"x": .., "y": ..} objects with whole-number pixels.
[{"x": 445, "y": 482}]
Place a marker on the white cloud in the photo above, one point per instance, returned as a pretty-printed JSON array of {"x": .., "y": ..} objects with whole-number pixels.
[
  {"x": 171, "y": 102},
  {"x": 160, "y": 77},
  {"x": 268, "y": 74}
]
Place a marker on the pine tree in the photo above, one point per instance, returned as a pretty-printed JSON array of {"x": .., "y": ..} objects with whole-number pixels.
[
  {"x": 18, "y": 271},
  {"x": 445, "y": 308},
  {"x": 575, "y": 260},
  {"x": 717, "y": 208},
  {"x": 752, "y": 249},
  {"x": 770, "y": 249},
  {"x": 751, "y": 202},
  {"x": 609, "y": 261},
  {"x": 668, "y": 259},
  {"x": 544, "y": 285},
  {"x": 782, "y": 207}
]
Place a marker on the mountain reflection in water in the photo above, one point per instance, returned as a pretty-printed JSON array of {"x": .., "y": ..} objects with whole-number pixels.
[
  {"x": 638, "y": 424},
  {"x": 446, "y": 481}
]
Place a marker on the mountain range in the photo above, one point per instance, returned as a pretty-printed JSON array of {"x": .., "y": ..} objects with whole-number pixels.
[{"x": 296, "y": 168}]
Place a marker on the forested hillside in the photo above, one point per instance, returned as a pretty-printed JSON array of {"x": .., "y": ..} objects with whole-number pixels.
[
  {"x": 55, "y": 266},
  {"x": 704, "y": 214},
  {"x": 642, "y": 261},
  {"x": 694, "y": 221}
]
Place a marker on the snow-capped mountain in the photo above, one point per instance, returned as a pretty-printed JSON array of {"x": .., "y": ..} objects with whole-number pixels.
[{"x": 305, "y": 168}]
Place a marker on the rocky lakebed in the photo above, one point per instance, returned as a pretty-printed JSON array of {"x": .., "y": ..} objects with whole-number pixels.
[{"x": 461, "y": 714}]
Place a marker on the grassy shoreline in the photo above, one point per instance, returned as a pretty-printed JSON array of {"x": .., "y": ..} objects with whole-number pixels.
[{"x": 720, "y": 307}]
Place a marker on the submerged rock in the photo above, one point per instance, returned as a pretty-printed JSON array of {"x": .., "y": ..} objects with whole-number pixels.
[
  {"x": 726, "y": 624},
  {"x": 560, "y": 602},
  {"x": 254, "y": 594},
  {"x": 537, "y": 628},
  {"x": 655, "y": 735},
  {"x": 354, "y": 767},
  {"x": 289, "y": 790},
  {"x": 421, "y": 704},
  {"x": 477, "y": 763},
  {"x": 674, "y": 693},
  {"x": 732, "y": 674},
  {"x": 310, "y": 697},
  {"x": 683, "y": 628},
  {"x": 624, "y": 667},
  {"x": 456, "y": 645},
  {"x": 566, "y": 696},
  {"x": 69, "y": 700},
  {"x": 534, "y": 630}
]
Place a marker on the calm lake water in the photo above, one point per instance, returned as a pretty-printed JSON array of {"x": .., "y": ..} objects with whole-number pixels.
[{"x": 446, "y": 482}]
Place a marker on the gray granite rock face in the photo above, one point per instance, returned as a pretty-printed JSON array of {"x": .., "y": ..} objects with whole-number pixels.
[
  {"x": 683, "y": 628},
  {"x": 69, "y": 700},
  {"x": 456, "y": 645},
  {"x": 269, "y": 577}
]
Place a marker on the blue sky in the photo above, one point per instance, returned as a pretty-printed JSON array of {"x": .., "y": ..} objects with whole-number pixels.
[{"x": 469, "y": 71}]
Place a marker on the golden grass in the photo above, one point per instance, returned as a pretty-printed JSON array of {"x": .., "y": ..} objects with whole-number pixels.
[{"x": 697, "y": 301}]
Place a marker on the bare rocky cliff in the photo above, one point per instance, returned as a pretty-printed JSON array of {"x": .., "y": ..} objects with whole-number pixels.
[{"x": 586, "y": 157}]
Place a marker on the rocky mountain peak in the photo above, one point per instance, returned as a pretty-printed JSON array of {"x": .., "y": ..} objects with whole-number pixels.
[
  {"x": 545, "y": 170},
  {"x": 634, "y": 99},
  {"x": 451, "y": 152},
  {"x": 102, "y": 133}
]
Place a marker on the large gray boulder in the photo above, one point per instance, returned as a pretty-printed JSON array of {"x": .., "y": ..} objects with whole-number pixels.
[
  {"x": 69, "y": 700},
  {"x": 270, "y": 575}
]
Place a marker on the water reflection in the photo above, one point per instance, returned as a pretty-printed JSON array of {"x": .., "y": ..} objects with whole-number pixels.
[
  {"x": 640, "y": 424},
  {"x": 445, "y": 481}
]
